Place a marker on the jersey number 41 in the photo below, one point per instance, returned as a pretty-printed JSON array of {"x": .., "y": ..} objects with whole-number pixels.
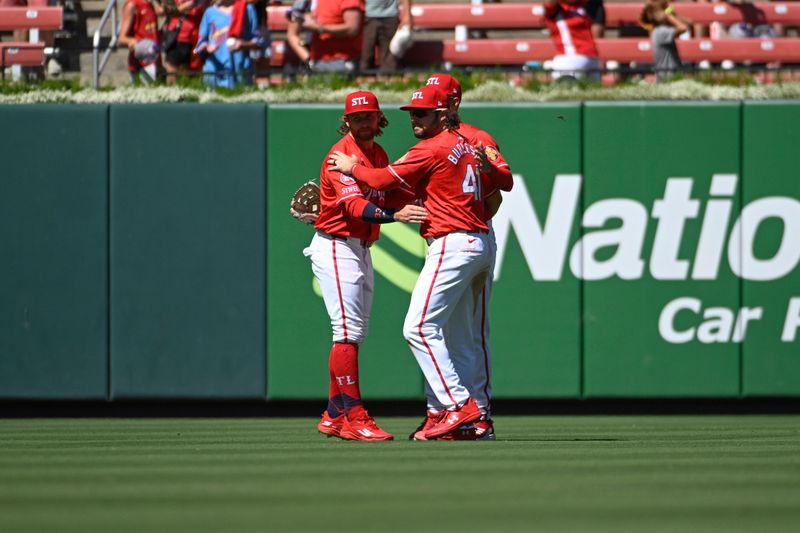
[{"x": 472, "y": 183}]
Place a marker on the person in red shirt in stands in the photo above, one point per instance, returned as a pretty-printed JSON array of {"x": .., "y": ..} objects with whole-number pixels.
[
  {"x": 571, "y": 30},
  {"x": 140, "y": 23},
  {"x": 336, "y": 40},
  {"x": 180, "y": 54}
]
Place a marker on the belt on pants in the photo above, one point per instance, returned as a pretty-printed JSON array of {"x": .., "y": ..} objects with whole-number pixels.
[
  {"x": 433, "y": 238},
  {"x": 360, "y": 242}
]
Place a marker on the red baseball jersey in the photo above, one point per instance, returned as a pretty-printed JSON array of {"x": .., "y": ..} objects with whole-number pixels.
[
  {"x": 571, "y": 29},
  {"x": 502, "y": 177},
  {"x": 445, "y": 175},
  {"x": 339, "y": 191},
  {"x": 326, "y": 47}
]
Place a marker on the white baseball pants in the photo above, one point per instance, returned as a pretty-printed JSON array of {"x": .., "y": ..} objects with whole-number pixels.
[
  {"x": 343, "y": 267},
  {"x": 469, "y": 347},
  {"x": 456, "y": 264}
]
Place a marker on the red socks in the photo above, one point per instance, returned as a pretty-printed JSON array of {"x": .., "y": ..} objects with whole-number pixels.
[{"x": 343, "y": 365}]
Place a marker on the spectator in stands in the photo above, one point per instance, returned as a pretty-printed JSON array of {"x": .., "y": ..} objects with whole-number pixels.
[
  {"x": 336, "y": 35},
  {"x": 139, "y": 28},
  {"x": 181, "y": 31},
  {"x": 597, "y": 12},
  {"x": 261, "y": 57},
  {"x": 238, "y": 18},
  {"x": 299, "y": 40},
  {"x": 756, "y": 24},
  {"x": 226, "y": 57},
  {"x": 382, "y": 19},
  {"x": 570, "y": 28},
  {"x": 664, "y": 25}
]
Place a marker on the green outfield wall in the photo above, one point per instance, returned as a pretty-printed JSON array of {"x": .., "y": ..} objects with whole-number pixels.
[{"x": 648, "y": 249}]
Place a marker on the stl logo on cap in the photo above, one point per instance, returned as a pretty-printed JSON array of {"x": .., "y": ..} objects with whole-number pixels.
[
  {"x": 446, "y": 83},
  {"x": 428, "y": 97},
  {"x": 360, "y": 101}
]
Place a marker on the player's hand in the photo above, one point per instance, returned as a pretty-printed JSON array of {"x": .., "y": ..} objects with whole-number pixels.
[
  {"x": 340, "y": 162},
  {"x": 483, "y": 159},
  {"x": 411, "y": 214}
]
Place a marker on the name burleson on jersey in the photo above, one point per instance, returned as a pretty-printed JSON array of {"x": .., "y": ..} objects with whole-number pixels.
[{"x": 458, "y": 151}]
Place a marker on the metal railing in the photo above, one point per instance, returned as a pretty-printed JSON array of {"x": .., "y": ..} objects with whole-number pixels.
[{"x": 99, "y": 64}]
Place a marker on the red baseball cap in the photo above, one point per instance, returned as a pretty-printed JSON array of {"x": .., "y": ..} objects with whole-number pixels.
[
  {"x": 359, "y": 101},
  {"x": 446, "y": 83},
  {"x": 428, "y": 97}
]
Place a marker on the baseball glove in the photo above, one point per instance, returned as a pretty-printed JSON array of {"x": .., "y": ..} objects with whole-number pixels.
[
  {"x": 305, "y": 203},
  {"x": 492, "y": 203}
]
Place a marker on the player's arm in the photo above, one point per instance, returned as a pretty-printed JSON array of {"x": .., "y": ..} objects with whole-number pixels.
[
  {"x": 399, "y": 197},
  {"x": 495, "y": 172},
  {"x": 350, "y": 199},
  {"x": 403, "y": 173},
  {"x": 369, "y": 212}
]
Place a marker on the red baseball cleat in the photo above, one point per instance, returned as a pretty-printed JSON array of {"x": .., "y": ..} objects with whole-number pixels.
[
  {"x": 469, "y": 412},
  {"x": 431, "y": 417},
  {"x": 363, "y": 427},
  {"x": 331, "y": 427},
  {"x": 484, "y": 430}
]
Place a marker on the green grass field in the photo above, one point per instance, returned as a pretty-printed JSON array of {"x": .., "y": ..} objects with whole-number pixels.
[{"x": 573, "y": 473}]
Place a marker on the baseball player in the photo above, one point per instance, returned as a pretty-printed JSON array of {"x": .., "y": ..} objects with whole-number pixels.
[
  {"x": 471, "y": 348},
  {"x": 340, "y": 259},
  {"x": 445, "y": 174}
]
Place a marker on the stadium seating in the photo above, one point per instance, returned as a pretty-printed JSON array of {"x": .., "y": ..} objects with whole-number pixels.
[
  {"x": 33, "y": 17},
  {"x": 22, "y": 18},
  {"x": 529, "y": 16},
  {"x": 525, "y": 16},
  {"x": 23, "y": 54},
  {"x": 522, "y": 51}
]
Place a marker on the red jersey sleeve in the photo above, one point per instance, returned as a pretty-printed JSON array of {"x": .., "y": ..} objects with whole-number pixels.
[
  {"x": 345, "y": 188},
  {"x": 398, "y": 198},
  {"x": 500, "y": 176},
  {"x": 404, "y": 173}
]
